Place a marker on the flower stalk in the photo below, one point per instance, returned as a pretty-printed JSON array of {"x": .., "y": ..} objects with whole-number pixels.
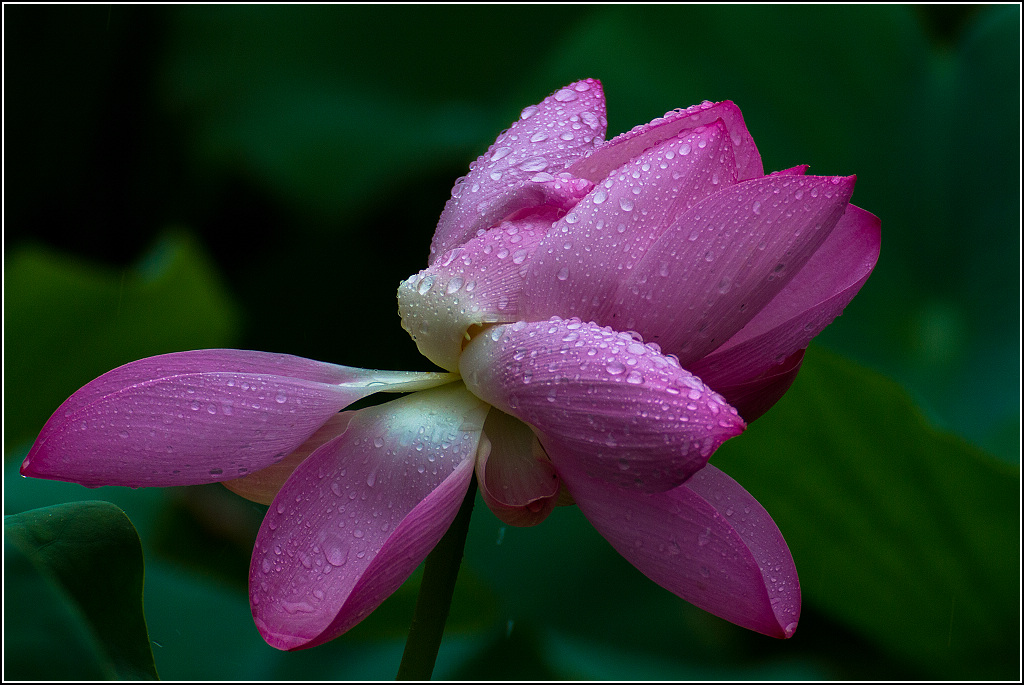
[{"x": 440, "y": 572}]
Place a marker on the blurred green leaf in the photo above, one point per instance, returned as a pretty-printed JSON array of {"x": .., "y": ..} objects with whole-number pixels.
[
  {"x": 73, "y": 600},
  {"x": 66, "y": 322},
  {"x": 905, "y": 533}
]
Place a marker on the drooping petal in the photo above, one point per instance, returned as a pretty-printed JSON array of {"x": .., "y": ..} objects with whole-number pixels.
[
  {"x": 263, "y": 485},
  {"x": 199, "y": 417},
  {"x": 640, "y": 420},
  {"x": 519, "y": 170},
  {"x": 358, "y": 516},
  {"x": 726, "y": 259},
  {"x": 815, "y": 296},
  {"x": 476, "y": 283},
  {"x": 580, "y": 264},
  {"x": 619, "y": 150},
  {"x": 517, "y": 480},
  {"x": 707, "y": 541}
]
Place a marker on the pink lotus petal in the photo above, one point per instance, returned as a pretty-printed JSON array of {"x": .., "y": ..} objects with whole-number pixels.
[
  {"x": 641, "y": 420},
  {"x": 263, "y": 485},
  {"x": 359, "y": 515},
  {"x": 815, "y": 296},
  {"x": 517, "y": 480},
  {"x": 199, "y": 417},
  {"x": 582, "y": 261},
  {"x": 707, "y": 541},
  {"x": 546, "y": 139},
  {"x": 754, "y": 397},
  {"x": 477, "y": 283},
  {"x": 798, "y": 170},
  {"x": 725, "y": 260},
  {"x": 632, "y": 144}
]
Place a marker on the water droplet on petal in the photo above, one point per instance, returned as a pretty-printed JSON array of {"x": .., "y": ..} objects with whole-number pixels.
[{"x": 335, "y": 554}]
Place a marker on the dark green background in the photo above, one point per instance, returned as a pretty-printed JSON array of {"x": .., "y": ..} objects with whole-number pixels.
[{"x": 264, "y": 177}]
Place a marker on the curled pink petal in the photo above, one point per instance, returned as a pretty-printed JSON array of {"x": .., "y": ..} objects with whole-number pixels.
[
  {"x": 641, "y": 420},
  {"x": 585, "y": 256},
  {"x": 815, "y": 296},
  {"x": 199, "y": 417},
  {"x": 518, "y": 171},
  {"x": 517, "y": 480},
  {"x": 708, "y": 541},
  {"x": 359, "y": 515},
  {"x": 263, "y": 485},
  {"x": 726, "y": 259},
  {"x": 630, "y": 145}
]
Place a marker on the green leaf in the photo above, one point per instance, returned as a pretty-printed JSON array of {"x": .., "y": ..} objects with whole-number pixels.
[
  {"x": 67, "y": 322},
  {"x": 906, "y": 534},
  {"x": 73, "y": 600}
]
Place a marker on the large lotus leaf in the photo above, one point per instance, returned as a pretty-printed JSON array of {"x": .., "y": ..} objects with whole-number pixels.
[{"x": 73, "y": 595}]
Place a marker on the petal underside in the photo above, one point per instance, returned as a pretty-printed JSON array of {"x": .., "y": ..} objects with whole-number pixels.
[
  {"x": 517, "y": 481},
  {"x": 359, "y": 515},
  {"x": 707, "y": 541}
]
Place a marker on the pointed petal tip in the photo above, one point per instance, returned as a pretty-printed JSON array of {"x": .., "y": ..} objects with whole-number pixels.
[
  {"x": 284, "y": 642},
  {"x": 789, "y": 630}
]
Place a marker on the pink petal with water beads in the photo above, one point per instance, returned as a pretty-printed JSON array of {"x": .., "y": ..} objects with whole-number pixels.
[
  {"x": 517, "y": 480},
  {"x": 815, "y": 296},
  {"x": 474, "y": 284},
  {"x": 587, "y": 253},
  {"x": 638, "y": 419},
  {"x": 707, "y": 541},
  {"x": 519, "y": 170},
  {"x": 726, "y": 259},
  {"x": 619, "y": 150},
  {"x": 263, "y": 485},
  {"x": 359, "y": 515},
  {"x": 199, "y": 417}
]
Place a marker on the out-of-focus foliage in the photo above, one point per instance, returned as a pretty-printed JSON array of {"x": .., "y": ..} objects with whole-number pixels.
[
  {"x": 73, "y": 608},
  {"x": 308, "y": 151}
]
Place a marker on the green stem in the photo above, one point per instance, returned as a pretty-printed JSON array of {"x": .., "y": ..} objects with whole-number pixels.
[{"x": 435, "y": 598}]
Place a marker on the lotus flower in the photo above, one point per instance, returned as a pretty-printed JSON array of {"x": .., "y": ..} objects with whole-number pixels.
[{"x": 607, "y": 312}]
